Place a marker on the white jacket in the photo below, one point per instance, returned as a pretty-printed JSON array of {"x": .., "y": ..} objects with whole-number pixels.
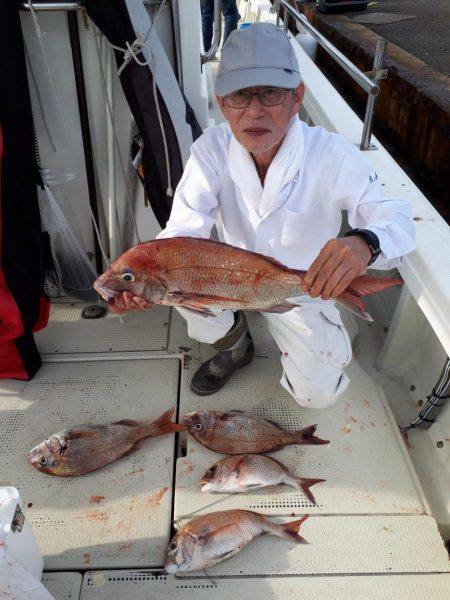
[{"x": 314, "y": 176}]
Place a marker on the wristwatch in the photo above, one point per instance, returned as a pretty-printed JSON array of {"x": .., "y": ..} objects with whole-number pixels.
[{"x": 371, "y": 240}]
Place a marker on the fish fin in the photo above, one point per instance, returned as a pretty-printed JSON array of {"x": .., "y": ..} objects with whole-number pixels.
[
  {"x": 304, "y": 484},
  {"x": 279, "y": 308},
  {"x": 128, "y": 422},
  {"x": 180, "y": 299},
  {"x": 351, "y": 298},
  {"x": 292, "y": 530},
  {"x": 306, "y": 436},
  {"x": 354, "y": 304},
  {"x": 197, "y": 302},
  {"x": 163, "y": 425}
]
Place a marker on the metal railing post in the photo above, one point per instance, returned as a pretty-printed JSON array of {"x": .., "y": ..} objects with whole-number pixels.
[
  {"x": 378, "y": 73},
  {"x": 285, "y": 20},
  {"x": 277, "y": 9},
  {"x": 217, "y": 33}
]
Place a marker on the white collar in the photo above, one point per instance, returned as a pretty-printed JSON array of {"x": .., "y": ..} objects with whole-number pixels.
[{"x": 282, "y": 170}]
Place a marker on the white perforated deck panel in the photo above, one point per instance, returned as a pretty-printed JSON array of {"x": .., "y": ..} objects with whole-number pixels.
[
  {"x": 67, "y": 332},
  {"x": 63, "y": 586},
  {"x": 118, "y": 516},
  {"x": 350, "y": 544},
  {"x": 366, "y": 466},
  {"x": 145, "y": 585}
]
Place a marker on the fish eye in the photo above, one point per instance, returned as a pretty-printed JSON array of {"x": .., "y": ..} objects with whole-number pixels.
[
  {"x": 212, "y": 469},
  {"x": 128, "y": 277},
  {"x": 197, "y": 426},
  {"x": 172, "y": 546},
  {"x": 43, "y": 461}
]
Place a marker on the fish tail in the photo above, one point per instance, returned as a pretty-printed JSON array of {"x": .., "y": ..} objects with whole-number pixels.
[
  {"x": 351, "y": 298},
  {"x": 291, "y": 531},
  {"x": 303, "y": 483},
  {"x": 163, "y": 425},
  {"x": 306, "y": 436}
]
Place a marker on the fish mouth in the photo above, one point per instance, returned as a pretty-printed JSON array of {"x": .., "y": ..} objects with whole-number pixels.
[
  {"x": 104, "y": 292},
  {"x": 190, "y": 418},
  {"x": 171, "y": 568}
]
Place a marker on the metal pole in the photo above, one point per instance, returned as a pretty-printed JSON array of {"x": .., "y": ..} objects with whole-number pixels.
[
  {"x": 74, "y": 34},
  {"x": 176, "y": 27},
  {"x": 277, "y": 8},
  {"x": 112, "y": 208},
  {"x": 378, "y": 62},
  {"x": 285, "y": 20},
  {"x": 47, "y": 6},
  {"x": 217, "y": 33},
  {"x": 367, "y": 84}
]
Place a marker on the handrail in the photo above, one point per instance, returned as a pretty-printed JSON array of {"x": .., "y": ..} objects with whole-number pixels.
[
  {"x": 217, "y": 33},
  {"x": 372, "y": 87},
  {"x": 356, "y": 74},
  {"x": 52, "y": 6}
]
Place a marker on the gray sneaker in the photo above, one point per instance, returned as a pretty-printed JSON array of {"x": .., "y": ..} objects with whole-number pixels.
[{"x": 236, "y": 351}]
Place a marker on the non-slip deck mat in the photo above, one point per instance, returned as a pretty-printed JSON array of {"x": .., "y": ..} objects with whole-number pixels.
[
  {"x": 63, "y": 586},
  {"x": 68, "y": 333},
  {"x": 366, "y": 466},
  {"x": 118, "y": 516},
  {"x": 146, "y": 585},
  {"x": 350, "y": 544}
]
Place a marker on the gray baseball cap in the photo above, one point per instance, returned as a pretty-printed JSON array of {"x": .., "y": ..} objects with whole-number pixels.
[{"x": 260, "y": 54}]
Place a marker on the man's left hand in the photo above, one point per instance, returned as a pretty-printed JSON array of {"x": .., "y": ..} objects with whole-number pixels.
[{"x": 338, "y": 263}]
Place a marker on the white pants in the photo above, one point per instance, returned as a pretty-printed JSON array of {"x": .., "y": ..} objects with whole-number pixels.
[{"x": 313, "y": 342}]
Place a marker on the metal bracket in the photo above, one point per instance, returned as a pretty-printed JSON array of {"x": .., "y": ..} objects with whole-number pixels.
[
  {"x": 377, "y": 74},
  {"x": 366, "y": 149},
  {"x": 18, "y": 520}
]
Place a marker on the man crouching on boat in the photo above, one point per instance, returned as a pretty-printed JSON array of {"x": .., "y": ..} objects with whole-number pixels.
[{"x": 274, "y": 185}]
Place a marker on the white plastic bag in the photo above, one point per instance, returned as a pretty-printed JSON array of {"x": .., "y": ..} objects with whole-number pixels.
[
  {"x": 20, "y": 558},
  {"x": 18, "y": 583},
  {"x": 74, "y": 272}
]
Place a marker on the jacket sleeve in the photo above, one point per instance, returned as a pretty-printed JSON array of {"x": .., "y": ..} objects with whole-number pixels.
[
  {"x": 195, "y": 202},
  {"x": 358, "y": 190}
]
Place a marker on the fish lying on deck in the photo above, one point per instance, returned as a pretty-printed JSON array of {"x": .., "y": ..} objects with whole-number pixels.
[
  {"x": 86, "y": 448},
  {"x": 214, "y": 537},
  {"x": 200, "y": 275},
  {"x": 248, "y": 472},
  {"x": 239, "y": 432}
]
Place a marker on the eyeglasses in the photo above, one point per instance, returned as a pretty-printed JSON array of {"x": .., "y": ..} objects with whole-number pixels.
[{"x": 266, "y": 97}]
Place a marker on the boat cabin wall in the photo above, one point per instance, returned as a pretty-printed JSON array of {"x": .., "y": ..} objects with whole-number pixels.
[{"x": 61, "y": 149}]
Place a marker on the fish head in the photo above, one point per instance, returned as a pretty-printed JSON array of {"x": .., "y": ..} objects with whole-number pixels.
[
  {"x": 132, "y": 273},
  {"x": 47, "y": 457},
  {"x": 180, "y": 552},
  {"x": 201, "y": 424},
  {"x": 216, "y": 477}
]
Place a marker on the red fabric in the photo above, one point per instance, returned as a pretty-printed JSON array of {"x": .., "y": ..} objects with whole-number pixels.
[
  {"x": 11, "y": 325},
  {"x": 44, "y": 313}
]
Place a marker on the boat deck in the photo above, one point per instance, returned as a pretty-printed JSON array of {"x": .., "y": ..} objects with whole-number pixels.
[{"x": 371, "y": 531}]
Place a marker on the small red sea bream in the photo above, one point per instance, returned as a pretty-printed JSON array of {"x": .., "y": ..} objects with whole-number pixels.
[
  {"x": 201, "y": 275},
  {"x": 250, "y": 472},
  {"x": 211, "y": 538},
  {"x": 239, "y": 432},
  {"x": 85, "y": 448}
]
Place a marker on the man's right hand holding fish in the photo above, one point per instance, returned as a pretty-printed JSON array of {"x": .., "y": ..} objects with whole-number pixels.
[{"x": 274, "y": 186}]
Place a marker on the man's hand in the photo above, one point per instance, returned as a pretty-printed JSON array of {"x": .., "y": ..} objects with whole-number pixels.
[
  {"x": 124, "y": 301},
  {"x": 338, "y": 263}
]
